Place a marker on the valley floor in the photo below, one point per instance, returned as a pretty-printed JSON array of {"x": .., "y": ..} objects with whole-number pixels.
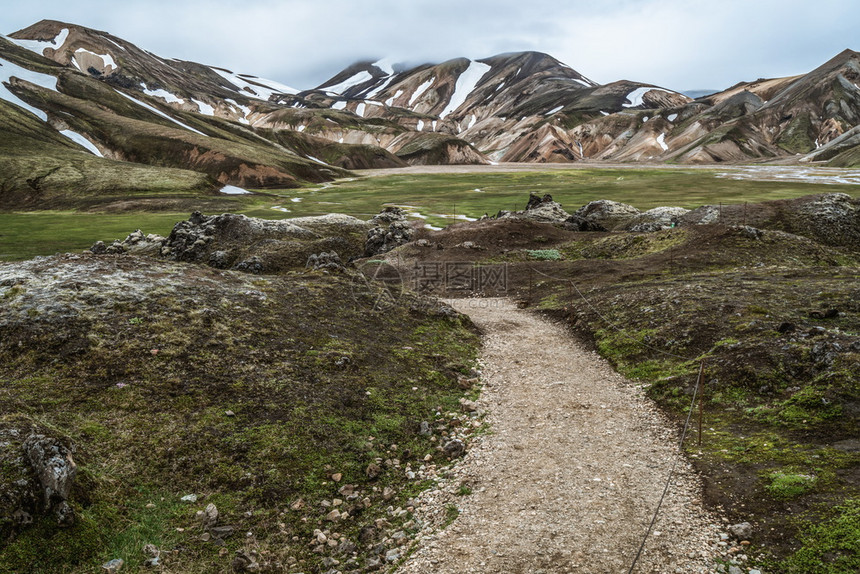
[
  {"x": 570, "y": 475},
  {"x": 807, "y": 173}
]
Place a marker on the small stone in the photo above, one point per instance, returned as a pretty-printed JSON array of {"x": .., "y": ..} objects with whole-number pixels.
[
  {"x": 189, "y": 498},
  {"x": 468, "y": 406},
  {"x": 454, "y": 448},
  {"x": 297, "y": 505},
  {"x": 333, "y": 515},
  {"x": 337, "y": 476},
  {"x": 392, "y": 555},
  {"x": 210, "y": 516},
  {"x": 113, "y": 566},
  {"x": 229, "y": 413},
  {"x": 373, "y": 471},
  {"x": 741, "y": 531}
]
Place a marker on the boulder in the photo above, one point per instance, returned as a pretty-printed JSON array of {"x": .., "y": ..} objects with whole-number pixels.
[
  {"x": 657, "y": 219},
  {"x": 607, "y": 213},
  {"x": 55, "y": 469},
  {"x": 391, "y": 230},
  {"x": 542, "y": 209},
  {"x": 38, "y": 472},
  {"x": 325, "y": 261}
]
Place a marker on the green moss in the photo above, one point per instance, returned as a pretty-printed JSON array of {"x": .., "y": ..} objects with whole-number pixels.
[
  {"x": 831, "y": 546},
  {"x": 811, "y": 405},
  {"x": 544, "y": 254},
  {"x": 785, "y": 485}
]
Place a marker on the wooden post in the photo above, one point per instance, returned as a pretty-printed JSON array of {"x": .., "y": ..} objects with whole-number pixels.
[
  {"x": 700, "y": 386},
  {"x": 530, "y": 284}
]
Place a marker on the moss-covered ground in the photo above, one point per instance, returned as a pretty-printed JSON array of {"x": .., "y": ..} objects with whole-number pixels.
[{"x": 262, "y": 395}]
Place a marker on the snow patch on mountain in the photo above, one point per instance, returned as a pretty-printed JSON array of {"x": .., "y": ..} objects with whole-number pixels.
[
  {"x": 635, "y": 97},
  {"x": 106, "y": 59},
  {"x": 390, "y": 101},
  {"x": 378, "y": 90},
  {"x": 163, "y": 94},
  {"x": 204, "y": 108},
  {"x": 661, "y": 139},
  {"x": 40, "y": 46},
  {"x": 339, "y": 105},
  {"x": 9, "y": 70},
  {"x": 420, "y": 126},
  {"x": 246, "y": 111},
  {"x": 465, "y": 85},
  {"x": 160, "y": 113},
  {"x": 254, "y": 87},
  {"x": 419, "y": 91},
  {"x": 359, "y": 78},
  {"x": 554, "y": 110},
  {"x": 359, "y": 109},
  {"x": 386, "y": 65},
  {"x": 82, "y": 141}
]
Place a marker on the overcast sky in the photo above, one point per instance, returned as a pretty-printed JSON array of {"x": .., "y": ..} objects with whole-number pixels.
[{"x": 678, "y": 44}]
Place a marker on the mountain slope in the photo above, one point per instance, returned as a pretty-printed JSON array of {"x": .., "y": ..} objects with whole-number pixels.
[{"x": 115, "y": 101}]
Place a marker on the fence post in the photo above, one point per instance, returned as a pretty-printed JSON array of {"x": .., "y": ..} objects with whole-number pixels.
[{"x": 700, "y": 387}]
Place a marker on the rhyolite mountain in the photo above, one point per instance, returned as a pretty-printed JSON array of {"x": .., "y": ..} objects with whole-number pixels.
[{"x": 84, "y": 110}]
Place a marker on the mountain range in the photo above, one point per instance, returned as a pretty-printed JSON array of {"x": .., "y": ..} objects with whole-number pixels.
[{"x": 87, "y": 113}]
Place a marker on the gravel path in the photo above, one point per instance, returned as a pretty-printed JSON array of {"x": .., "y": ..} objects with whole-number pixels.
[{"x": 570, "y": 475}]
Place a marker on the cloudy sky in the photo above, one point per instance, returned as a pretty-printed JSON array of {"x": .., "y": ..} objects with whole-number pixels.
[{"x": 679, "y": 44}]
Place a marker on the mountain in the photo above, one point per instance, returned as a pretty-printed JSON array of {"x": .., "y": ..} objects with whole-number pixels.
[
  {"x": 90, "y": 116},
  {"x": 511, "y": 107},
  {"x": 531, "y": 107}
]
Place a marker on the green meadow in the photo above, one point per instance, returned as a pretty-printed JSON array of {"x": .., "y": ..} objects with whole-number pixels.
[{"x": 440, "y": 199}]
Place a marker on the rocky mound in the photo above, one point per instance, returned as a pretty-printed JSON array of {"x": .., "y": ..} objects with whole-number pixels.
[
  {"x": 163, "y": 410},
  {"x": 657, "y": 219},
  {"x": 231, "y": 241},
  {"x": 832, "y": 218}
]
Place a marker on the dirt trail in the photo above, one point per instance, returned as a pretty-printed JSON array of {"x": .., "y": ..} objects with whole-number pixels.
[{"x": 572, "y": 471}]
